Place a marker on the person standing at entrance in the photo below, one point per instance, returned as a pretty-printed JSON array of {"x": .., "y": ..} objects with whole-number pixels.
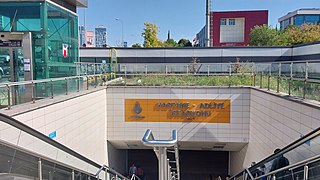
[{"x": 132, "y": 170}]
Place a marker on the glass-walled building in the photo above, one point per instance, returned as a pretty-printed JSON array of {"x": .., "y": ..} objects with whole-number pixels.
[
  {"x": 54, "y": 35},
  {"x": 299, "y": 17}
]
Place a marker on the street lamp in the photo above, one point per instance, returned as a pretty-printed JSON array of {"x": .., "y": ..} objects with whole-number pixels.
[{"x": 118, "y": 19}]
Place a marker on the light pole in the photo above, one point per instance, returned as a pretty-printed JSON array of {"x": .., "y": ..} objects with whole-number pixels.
[{"x": 122, "y": 42}]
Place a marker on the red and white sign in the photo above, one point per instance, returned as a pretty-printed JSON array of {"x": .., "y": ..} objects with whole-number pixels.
[{"x": 65, "y": 50}]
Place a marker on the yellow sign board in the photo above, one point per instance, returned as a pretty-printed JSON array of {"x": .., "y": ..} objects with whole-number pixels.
[{"x": 177, "y": 110}]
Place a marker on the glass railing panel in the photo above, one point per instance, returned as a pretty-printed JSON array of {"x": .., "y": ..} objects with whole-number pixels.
[
  {"x": 237, "y": 80},
  {"x": 284, "y": 85},
  {"x": 83, "y": 69},
  {"x": 15, "y": 163},
  {"x": 314, "y": 170},
  {"x": 200, "y": 69},
  {"x": 155, "y": 68},
  {"x": 22, "y": 93},
  {"x": 24, "y": 140},
  {"x": 313, "y": 91},
  {"x": 42, "y": 90},
  {"x": 3, "y": 97},
  {"x": 219, "y": 68},
  {"x": 285, "y": 69},
  {"x": 93, "y": 82},
  {"x": 299, "y": 70},
  {"x": 83, "y": 83},
  {"x": 133, "y": 69},
  {"x": 241, "y": 68},
  {"x": 91, "y": 69},
  {"x": 52, "y": 170},
  {"x": 314, "y": 70},
  {"x": 6, "y": 155},
  {"x": 274, "y": 69},
  {"x": 59, "y": 87},
  {"x": 273, "y": 83},
  {"x": 297, "y": 88},
  {"x": 182, "y": 68},
  {"x": 263, "y": 69},
  {"x": 294, "y": 174},
  {"x": 73, "y": 84}
]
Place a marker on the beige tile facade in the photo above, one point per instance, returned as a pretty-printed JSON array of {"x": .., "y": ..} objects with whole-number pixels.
[{"x": 236, "y": 131}]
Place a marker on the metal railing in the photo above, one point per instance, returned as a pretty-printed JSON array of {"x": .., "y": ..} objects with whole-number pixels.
[
  {"x": 29, "y": 153},
  {"x": 302, "y": 154},
  {"x": 134, "y": 177},
  {"x": 299, "y": 78},
  {"x": 161, "y": 148},
  {"x": 16, "y": 93}
]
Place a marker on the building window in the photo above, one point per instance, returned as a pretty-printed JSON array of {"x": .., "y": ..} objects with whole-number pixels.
[
  {"x": 312, "y": 19},
  {"x": 232, "y": 22},
  {"x": 223, "y": 22},
  {"x": 298, "y": 20}
]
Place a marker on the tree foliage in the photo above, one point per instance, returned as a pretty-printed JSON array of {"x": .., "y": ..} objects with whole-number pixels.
[
  {"x": 136, "y": 45},
  {"x": 292, "y": 35},
  {"x": 150, "y": 35},
  {"x": 184, "y": 43},
  {"x": 266, "y": 36},
  {"x": 305, "y": 34},
  {"x": 170, "y": 43}
]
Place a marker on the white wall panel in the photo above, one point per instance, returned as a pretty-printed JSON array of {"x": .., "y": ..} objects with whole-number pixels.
[{"x": 79, "y": 124}]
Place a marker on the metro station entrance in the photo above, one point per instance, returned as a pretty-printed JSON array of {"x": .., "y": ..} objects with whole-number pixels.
[
  {"x": 194, "y": 164},
  {"x": 15, "y": 66}
]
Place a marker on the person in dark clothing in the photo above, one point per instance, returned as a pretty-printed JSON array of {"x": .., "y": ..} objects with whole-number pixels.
[
  {"x": 279, "y": 163},
  {"x": 140, "y": 172}
]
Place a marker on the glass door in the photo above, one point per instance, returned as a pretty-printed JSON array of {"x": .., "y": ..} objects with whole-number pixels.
[
  {"x": 5, "y": 75},
  {"x": 18, "y": 66}
]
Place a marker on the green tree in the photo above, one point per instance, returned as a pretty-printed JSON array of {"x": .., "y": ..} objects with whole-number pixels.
[
  {"x": 137, "y": 45},
  {"x": 267, "y": 36},
  {"x": 150, "y": 35},
  {"x": 170, "y": 43},
  {"x": 305, "y": 34},
  {"x": 184, "y": 43}
]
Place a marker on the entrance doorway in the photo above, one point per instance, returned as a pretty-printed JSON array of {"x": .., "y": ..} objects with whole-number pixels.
[
  {"x": 202, "y": 165},
  {"x": 11, "y": 64}
]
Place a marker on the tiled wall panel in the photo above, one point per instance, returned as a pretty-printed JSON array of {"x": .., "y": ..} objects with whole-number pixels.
[
  {"x": 79, "y": 123},
  {"x": 236, "y": 131}
]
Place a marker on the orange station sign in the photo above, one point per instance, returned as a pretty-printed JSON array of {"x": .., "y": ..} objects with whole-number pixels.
[{"x": 177, "y": 110}]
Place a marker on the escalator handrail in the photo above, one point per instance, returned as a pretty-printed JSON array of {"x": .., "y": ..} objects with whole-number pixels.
[
  {"x": 286, "y": 149},
  {"x": 293, "y": 166}
]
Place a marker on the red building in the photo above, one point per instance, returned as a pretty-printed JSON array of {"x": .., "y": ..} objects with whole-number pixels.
[{"x": 232, "y": 28}]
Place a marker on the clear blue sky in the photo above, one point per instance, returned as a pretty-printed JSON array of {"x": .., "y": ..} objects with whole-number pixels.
[{"x": 184, "y": 18}]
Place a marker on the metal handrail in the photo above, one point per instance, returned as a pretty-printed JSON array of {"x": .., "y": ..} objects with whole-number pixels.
[
  {"x": 249, "y": 173},
  {"x": 46, "y": 80},
  {"x": 134, "y": 177},
  {"x": 148, "y": 140},
  {"x": 293, "y": 166},
  {"x": 111, "y": 171},
  {"x": 160, "y": 147},
  {"x": 286, "y": 149}
]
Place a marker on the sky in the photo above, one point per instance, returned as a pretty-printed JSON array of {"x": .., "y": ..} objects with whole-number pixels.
[{"x": 184, "y": 18}]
